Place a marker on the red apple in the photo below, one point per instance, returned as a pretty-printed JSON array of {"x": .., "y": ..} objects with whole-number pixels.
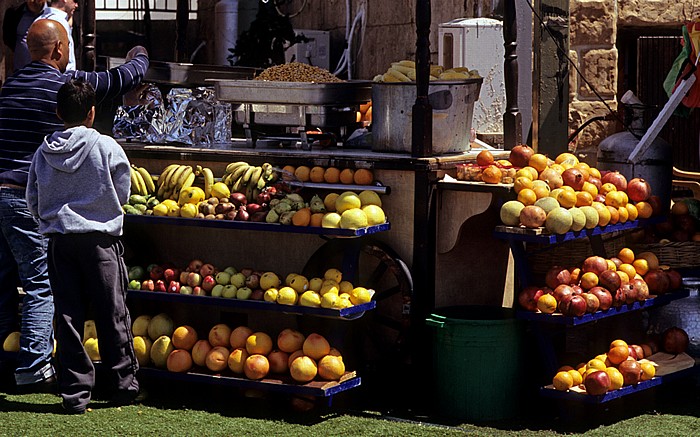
[
  {"x": 174, "y": 287},
  {"x": 675, "y": 340},
  {"x": 208, "y": 282},
  {"x": 638, "y": 351},
  {"x": 597, "y": 383},
  {"x": 194, "y": 279},
  {"x": 198, "y": 291},
  {"x": 195, "y": 265},
  {"x": 183, "y": 276},
  {"x": 638, "y": 190},
  {"x": 207, "y": 270},
  {"x": 609, "y": 280},
  {"x": 171, "y": 274},
  {"x": 148, "y": 285},
  {"x": 631, "y": 371},
  {"x": 160, "y": 286},
  {"x": 557, "y": 275},
  {"x": 527, "y": 298},
  {"x": 604, "y": 297},
  {"x": 156, "y": 273},
  {"x": 595, "y": 264}
]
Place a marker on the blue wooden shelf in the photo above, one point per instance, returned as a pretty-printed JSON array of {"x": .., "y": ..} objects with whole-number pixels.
[
  {"x": 541, "y": 236},
  {"x": 351, "y": 313},
  {"x": 253, "y": 226},
  {"x": 558, "y": 318},
  {"x": 276, "y": 383},
  {"x": 619, "y": 393}
]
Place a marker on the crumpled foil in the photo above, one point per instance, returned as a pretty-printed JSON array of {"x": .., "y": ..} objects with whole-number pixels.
[{"x": 189, "y": 116}]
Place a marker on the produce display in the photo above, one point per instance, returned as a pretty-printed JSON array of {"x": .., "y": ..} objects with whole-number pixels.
[
  {"x": 256, "y": 193},
  {"x": 598, "y": 284},
  {"x": 240, "y": 351},
  {"x": 622, "y": 365},
  {"x": 567, "y": 195},
  {"x": 203, "y": 279},
  {"x": 682, "y": 225},
  {"x": 405, "y": 71}
]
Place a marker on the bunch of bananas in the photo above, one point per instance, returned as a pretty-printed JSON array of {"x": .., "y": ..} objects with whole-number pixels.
[
  {"x": 141, "y": 181},
  {"x": 250, "y": 180},
  {"x": 177, "y": 177}
]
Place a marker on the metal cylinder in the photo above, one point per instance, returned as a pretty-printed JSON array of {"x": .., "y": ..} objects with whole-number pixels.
[{"x": 225, "y": 30}]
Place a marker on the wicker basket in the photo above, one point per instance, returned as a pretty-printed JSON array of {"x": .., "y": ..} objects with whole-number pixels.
[{"x": 675, "y": 254}]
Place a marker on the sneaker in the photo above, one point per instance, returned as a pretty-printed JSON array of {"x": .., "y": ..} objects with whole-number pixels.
[
  {"x": 48, "y": 385},
  {"x": 67, "y": 409}
]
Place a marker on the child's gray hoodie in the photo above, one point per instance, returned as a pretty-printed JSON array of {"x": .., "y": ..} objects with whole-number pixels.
[{"x": 78, "y": 181}]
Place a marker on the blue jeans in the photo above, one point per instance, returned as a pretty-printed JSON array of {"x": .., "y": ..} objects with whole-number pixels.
[{"x": 23, "y": 262}]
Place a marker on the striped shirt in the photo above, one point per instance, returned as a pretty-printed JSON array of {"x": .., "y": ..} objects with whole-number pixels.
[{"x": 28, "y": 108}]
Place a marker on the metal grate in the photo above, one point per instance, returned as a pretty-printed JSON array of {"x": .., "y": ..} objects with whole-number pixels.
[{"x": 136, "y": 5}]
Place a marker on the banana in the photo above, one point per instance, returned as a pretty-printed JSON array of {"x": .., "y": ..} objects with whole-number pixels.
[
  {"x": 134, "y": 182},
  {"x": 175, "y": 177},
  {"x": 232, "y": 166},
  {"x": 188, "y": 182},
  {"x": 165, "y": 172},
  {"x": 148, "y": 179},
  {"x": 253, "y": 182},
  {"x": 164, "y": 184},
  {"x": 197, "y": 170},
  {"x": 143, "y": 189},
  {"x": 248, "y": 173},
  {"x": 249, "y": 192},
  {"x": 208, "y": 181},
  {"x": 236, "y": 174},
  {"x": 185, "y": 176}
]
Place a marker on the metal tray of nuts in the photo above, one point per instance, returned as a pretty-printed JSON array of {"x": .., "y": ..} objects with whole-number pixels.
[{"x": 294, "y": 93}]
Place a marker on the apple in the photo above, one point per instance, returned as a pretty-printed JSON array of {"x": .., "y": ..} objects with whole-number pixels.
[
  {"x": 148, "y": 285},
  {"x": 604, "y": 297},
  {"x": 247, "y": 271},
  {"x": 174, "y": 287},
  {"x": 638, "y": 351},
  {"x": 527, "y": 298},
  {"x": 243, "y": 293},
  {"x": 223, "y": 278},
  {"x": 171, "y": 274},
  {"x": 257, "y": 294},
  {"x": 198, "y": 291},
  {"x": 252, "y": 208},
  {"x": 231, "y": 270},
  {"x": 136, "y": 272},
  {"x": 160, "y": 286},
  {"x": 194, "y": 279},
  {"x": 631, "y": 371},
  {"x": 135, "y": 284},
  {"x": 229, "y": 291},
  {"x": 597, "y": 383},
  {"x": 186, "y": 289},
  {"x": 557, "y": 275},
  {"x": 238, "y": 199},
  {"x": 238, "y": 280},
  {"x": 207, "y": 270},
  {"x": 156, "y": 273},
  {"x": 595, "y": 264},
  {"x": 183, "y": 276},
  {"x": 194, "y": 265},
  {"x": 252, "y": 281},
  {"x": 264, "y": 198},
  {"x": 208, "y": 283},
  {"x": 150, "y": 267},
  {"x": 217, "y": 291}
]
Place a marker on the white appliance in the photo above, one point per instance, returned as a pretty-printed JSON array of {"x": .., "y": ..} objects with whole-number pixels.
[
  {"x": 477, "y": 43},
  {"x": 314, "y": 52}
]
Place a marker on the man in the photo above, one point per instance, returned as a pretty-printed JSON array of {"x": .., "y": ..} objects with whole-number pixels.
[
  {"x": 15, "y": 27},
  {"x": 27, "y": 115},
  {"x": 62, "y": 11}
]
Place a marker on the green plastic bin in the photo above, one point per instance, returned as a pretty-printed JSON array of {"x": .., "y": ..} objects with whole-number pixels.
[{"x": 476, "y": 362}]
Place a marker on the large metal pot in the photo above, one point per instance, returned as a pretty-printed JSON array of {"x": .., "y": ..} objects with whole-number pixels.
[{"x": 453, "y": 108}]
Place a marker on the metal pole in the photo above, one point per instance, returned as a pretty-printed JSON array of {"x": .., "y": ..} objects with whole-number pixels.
[
  {"x": 88, "y": 37},
  {"x": 182, "y": 19},
  {"x": 512, "y": 120},
  {"x": 422, "y": 124}
]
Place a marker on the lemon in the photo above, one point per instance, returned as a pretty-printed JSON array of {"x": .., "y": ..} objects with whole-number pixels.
[
  {"x": 341, "y": 303},
  {"x": 191, "y": 195},
  {"x": 360, "y": 295},
  {"x": 310, "y": 299},
  {"x": 160, "y": 210},
  {"x": 299, "y": 283},
  {"x": 347, "y": 200},
  {"x": 344, "y": 296},
  {"x": 353, "y": 218},
  {"x": 333, "y": 275},
  {"x": 271, "y": 295},
  {"x": 92, "y": 349},
  {"x": 220, "y": 190},
  {"x": 169, "y": 203},
  {"x": 375, "y": 215},
  {"x": 315, "y": 284},
  {"x": 142, "y": 349},
  {"x": 329, "y": 287},
  {"x": 11, "y": 343},
  {"x": 188, "y": 210},
  {"x": 174, "y": 210},
  {"x": 287, "y": 296},
  {"x": 329, "y": 201},
  {"x": 331, "y": 220},
  {"x": 288, "y": 278},
  {"x": 370, "y": 198},
  {"x": 328, "y": 300}
]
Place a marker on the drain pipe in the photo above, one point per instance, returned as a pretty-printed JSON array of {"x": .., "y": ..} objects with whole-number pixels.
[{"x": 225, "y": 30}]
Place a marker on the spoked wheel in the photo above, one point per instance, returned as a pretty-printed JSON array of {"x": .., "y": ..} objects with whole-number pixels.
[{"x": 379, "y": 339}]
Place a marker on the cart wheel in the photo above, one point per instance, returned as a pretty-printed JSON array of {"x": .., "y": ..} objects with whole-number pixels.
[{"x": 384, "y": 331}]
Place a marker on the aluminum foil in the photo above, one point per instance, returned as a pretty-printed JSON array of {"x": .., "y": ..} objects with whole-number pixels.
[{"x": 190, "y": 117}]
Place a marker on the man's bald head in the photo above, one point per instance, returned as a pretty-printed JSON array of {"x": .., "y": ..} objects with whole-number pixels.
[{"x": 48, "y": 42}]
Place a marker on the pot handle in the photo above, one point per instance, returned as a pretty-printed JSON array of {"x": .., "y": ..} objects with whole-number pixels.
[{"x": 434, "y": 322}]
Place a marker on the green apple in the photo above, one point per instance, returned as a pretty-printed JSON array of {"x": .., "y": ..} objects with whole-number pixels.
[
  {"x": 243, "y": 293},
  {"x": 217, "y": 291},
  {"x": 229, "y": 291},
  {"x": 135, "y": 285},
  {"x": 238, "y": 280},
  {"x": 223, "y": 278},
  {"x": 186, "y": 289},
  {"x": 231, "y": 270},
  {"x": 137, "y": 272}
]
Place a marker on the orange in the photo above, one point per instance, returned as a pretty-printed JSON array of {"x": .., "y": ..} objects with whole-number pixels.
[
  {"x": 316, "y": 174},
  {"x": 331, "y": 175},
  {"x": 624, "y": 214},
  {"x": 289, "y": 168},
  {"x": 316, "y": 219},
  {"x": 614, "y": 214},
  {"x": 302, "y": 217},
  {"x": 363, "y": 176},
  {"x": 624, "y": 278},
  {"x": 563, "y": 381},
  {"x": 644, "y": 209},
  {"x": 618, "y": 342},
  {"x": 594, "y": 172},
  {"x": 576, "y": 376},
  {"x": 641, "y": 266},
  {"x": 590, "y": 189},
  {"x": 611, "y": 265},
  {"x": 539, "y": 162},
  {"x": 484, "y": 158},
  {"x": 527, "y": 197},
  {"x": 603, "y": 213},
  {"x": 607, "y": 188},
  {"x": 347, "y": 176},
  {"x": 589, "y": 280},
  {"x": 628, "y": 268},
  {"x": 558, "y": 168},
  {"x": 491, "y": 175},
  {"x": 566, "y": 198},
  {"x": 522, "y": 182},
  {"x": 626, "y": 255},
  {"x": 541, "y": 190},
  {"x": 618, "y": 354},
  {"x": 547, "y": 304},
  {"x": 648, "y": 370},
  {"x": 616, "y": 199},
  {"x": 566, "y": 156},
  {"x": 595, "y": 364},
  {"x": 303, "y": 173},
  {"x": 632, "y": 212},
  {"x": 616, "y": 378},
  {"x": 583, "y": 168},
  {"x": 525, "y": 173},
  {"x": 533, "y": 172},
  {"x": 584, "y": 198}
]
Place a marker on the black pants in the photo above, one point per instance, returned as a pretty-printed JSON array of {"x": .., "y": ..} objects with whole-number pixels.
[{"x": 88, "y": 271}]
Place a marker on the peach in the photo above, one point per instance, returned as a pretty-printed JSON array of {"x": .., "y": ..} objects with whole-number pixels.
[
  {"x": 199, "y": 352},
  {"x": 179, "y": 360},
  {"x": 331, "y": 368},
  {"x": 239, "y": 336},
  {"x": 219, "y": 335},
  {"x": 236, "y": 359},
  {"x": 290, "y": 340},
  {"x": 278, "y": 361},
  {"x": 303, "y": 369},
  {"x": 184, "y": 337},
  {"x": 316, "y": 346},
  {"x": 256, "y": 367},
  {"x": 258, "y": 343},
  {"x": 293, "y": 356},
  {"x": 217, "y": 359}
]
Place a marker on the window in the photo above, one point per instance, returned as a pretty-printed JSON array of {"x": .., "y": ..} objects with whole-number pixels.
[{"x": 134, "y": 9}]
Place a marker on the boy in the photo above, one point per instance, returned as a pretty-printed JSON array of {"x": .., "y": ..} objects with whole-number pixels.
[{"x": 78, "y": 180}]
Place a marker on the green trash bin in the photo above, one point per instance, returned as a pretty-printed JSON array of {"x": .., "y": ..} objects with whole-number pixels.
[{"x": 476, "y": 361}]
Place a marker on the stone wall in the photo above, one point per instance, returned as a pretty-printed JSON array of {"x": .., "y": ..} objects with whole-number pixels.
[{"x": 594, "y": 25}]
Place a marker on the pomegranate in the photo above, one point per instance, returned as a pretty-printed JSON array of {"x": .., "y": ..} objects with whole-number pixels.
[
  {"x": 605, "y": 299},
  {"x": 638, "y": 190},
  {"x": 630, "y": 292},
  {"x": 609, "y": 280},
  {"x": 657, "y": 205},
  {"x": 562, "y": 291},
  {"x": 573, "y": 178},
  {"x": 675, "y": 279},
  {"x": 520, "y": 155},
  {"x": 595, "y": 264},
  {"x": 527, "y": 298},
  {"x": 595, "y": 181},
  {"x": 642, "y": 288},
  {"x": 592, "y": 302},
  {"x": 631, "y": 371},
  {"x": 573, "y": 305},
  {"x": 616, "y": 178},
  {"x": 557, "y": 275},
  {"x": 657, "y": 281},
  {"x": 675, "y": 340}
]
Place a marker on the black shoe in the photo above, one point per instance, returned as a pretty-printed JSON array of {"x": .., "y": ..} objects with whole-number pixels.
[
  {"x": 129, "y": 398},
  {"x": 48, "y": 385}
]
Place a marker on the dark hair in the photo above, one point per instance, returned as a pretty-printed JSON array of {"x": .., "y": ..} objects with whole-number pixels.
[{"x": 74, "y": 101}]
